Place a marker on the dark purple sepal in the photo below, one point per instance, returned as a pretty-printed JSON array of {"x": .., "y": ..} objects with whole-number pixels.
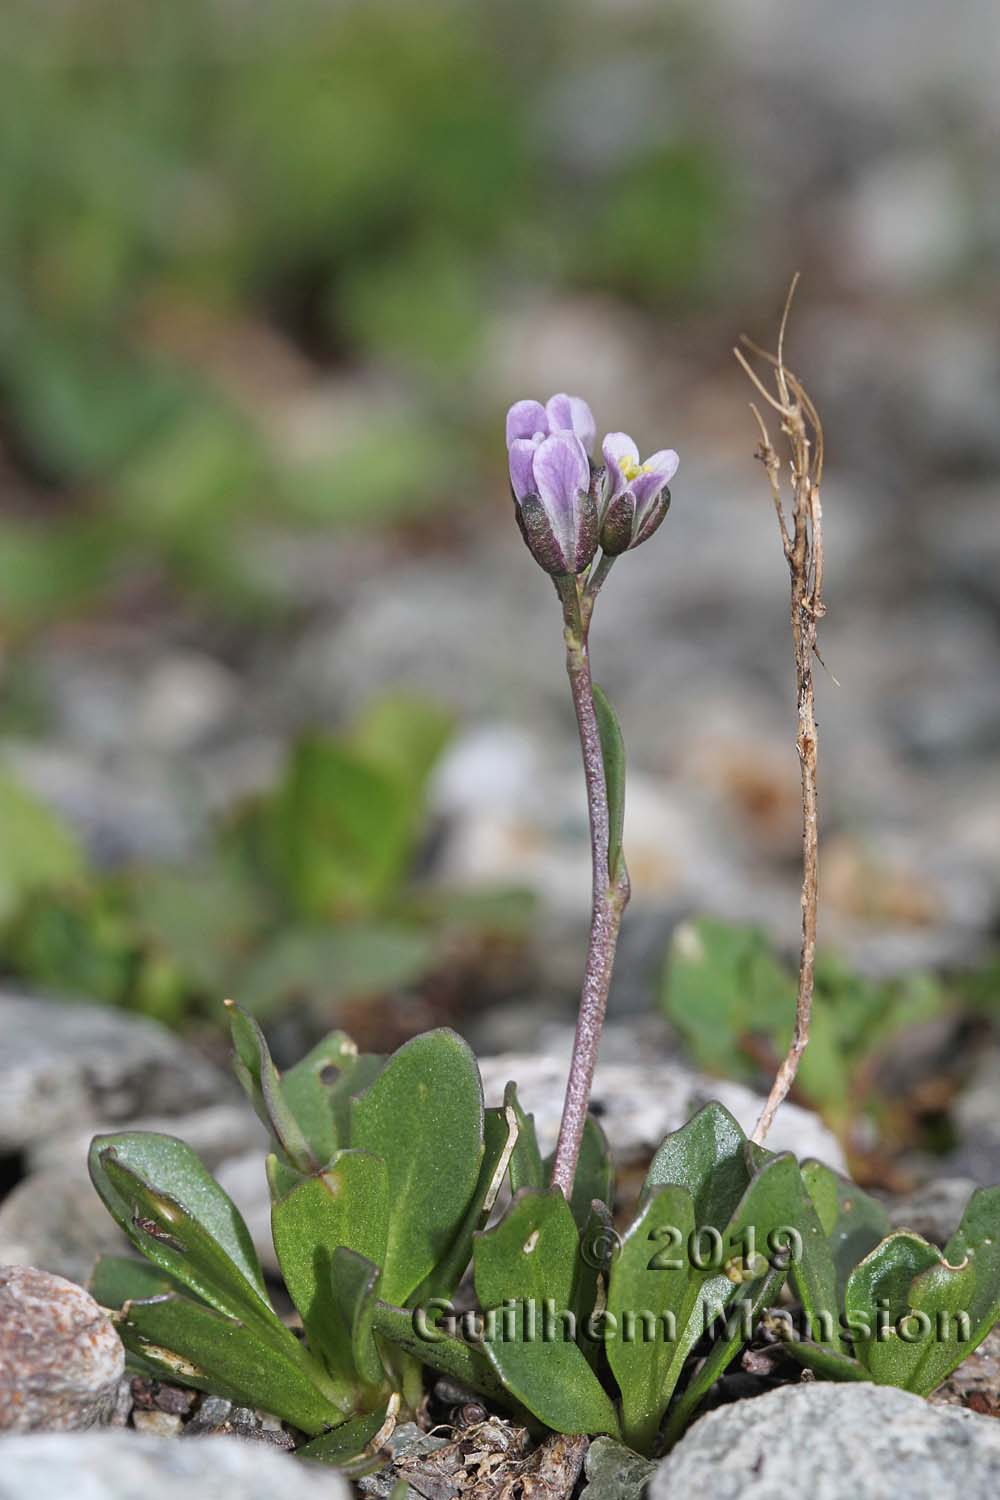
[
  {"x": 539, "y": 537},
  {"x": 653, "y": 517},
  {"x": 588, "y": 527},
  {"x": 598, "y": 474},
  {"x": 616, "y": 532}
]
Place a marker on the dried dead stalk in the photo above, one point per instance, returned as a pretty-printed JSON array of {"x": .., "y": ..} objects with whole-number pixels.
[{"x": 802, "y": 541}]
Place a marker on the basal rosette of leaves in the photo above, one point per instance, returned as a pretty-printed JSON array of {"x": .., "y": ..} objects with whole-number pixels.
[{"x": 386, "y": 1179}]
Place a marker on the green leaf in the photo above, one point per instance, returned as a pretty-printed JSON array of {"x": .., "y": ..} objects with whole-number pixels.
[
  {"x": 309, "y": 1088},
  {"x": 419, "y": 1335},
  {"x": 405, "y": 735},
  {"x": 39, "y": 850},
  {"x": 355, "y": 1287},
  {"x": 117, "y": 1279},
  {"x": 531, "y": 1257},
  {"x": 500, "y": 1130},
  {"x": 705, "y": 1156},
  {"x": 598, "y": 1244},
  {"x": 526, "y": 1167},
  {"x": 344, "y": 1206},
  {"x": 650, "y": 1276},
  {"x": 722, "y": 984},
  {"x": 262, "y": 1082},
  {"x": 346, "y": 1442},
  {"x": 614, "y": 1472},
  {"x": 768, "y": 1204},
  {"x": 829, "y": 1364},
  {"x": 853, "y": 1221},
  {"x": 338, "y": 834},
  {"x": 723, "y": 1352},
  {"x": 877, "y": 1296},
  {"x": 960, "y": 1296},
  {"x": 613, "y": 755},
  {"x": 424, "y": 1116},
  {"x": 198, "y": 1346},
  {"x": 930, "y": 1342},
  {"x": 595, "y": 1171},
  {"x": 179, "y": 1218},
  {"x": 978, "y": 1238}
]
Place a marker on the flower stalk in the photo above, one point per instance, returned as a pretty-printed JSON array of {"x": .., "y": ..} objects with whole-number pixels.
[
  {"x": 609, "y": 894},
  {"x": 568, "y": 508}
]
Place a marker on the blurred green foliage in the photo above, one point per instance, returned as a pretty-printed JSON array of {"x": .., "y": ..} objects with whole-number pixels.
[
  {"x": 310, "y": 894},
  {"x": 734, "y": 1003},
  {"x": 365, "y": 183},
  {"x": 38, "y": 849}
]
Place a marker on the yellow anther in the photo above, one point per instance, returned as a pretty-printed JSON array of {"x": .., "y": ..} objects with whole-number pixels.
[{"x": 631, "y": 470}]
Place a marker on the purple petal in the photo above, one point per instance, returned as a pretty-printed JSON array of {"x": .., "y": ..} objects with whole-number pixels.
[
  {"x": 561, "y": 471},
  {"x": 572, "y": 414},
  {"x": 618, "y": 448},
  {"x": 525, "y": 419},
  {"x": 664, "y": 462},
  {"x": 657, "y": 472},
  {"x": 521, "y": 457}
]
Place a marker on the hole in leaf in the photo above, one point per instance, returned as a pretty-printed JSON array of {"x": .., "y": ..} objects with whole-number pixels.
[
  {"x": 13, "y": 1167},
  {"x": 329, "y": 1073}
]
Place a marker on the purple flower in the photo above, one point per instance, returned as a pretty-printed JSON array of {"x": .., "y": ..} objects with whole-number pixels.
[
  {"x": 550, "y": 475},
  {"x": 638, "y": 497},
  {"x": 530, "y": 419}
]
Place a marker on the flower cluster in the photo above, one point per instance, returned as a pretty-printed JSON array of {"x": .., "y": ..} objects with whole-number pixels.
[{"x": 566, "y": 505}]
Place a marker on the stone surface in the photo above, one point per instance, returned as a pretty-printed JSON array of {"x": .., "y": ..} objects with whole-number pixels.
[
  {"x": 164, "y": 1424},
  {"x": 934, "y": 1209},
  {"x": 214, "y": 1133},
  {"x": 641, "y": 1097},
  {"x": 65, "y": 1067},
  {"x": 829, "y": 1441},
  {"x": 976, "y": 1382},
  {"x": 977, "y": 1120},
  {"x": 126, "y": 1465},
  {"x": 61, "y": 1361},
  {"x": 54, "y": 1220},
  {"x": 243, "y": 1178}
]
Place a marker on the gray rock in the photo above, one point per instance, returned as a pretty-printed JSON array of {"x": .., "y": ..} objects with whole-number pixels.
[
  {"x": 185, "y": 699},
  {"x": 125, "y": 811},
  {"x": 126, "y": 1466},
  {"x": 977, "y": 1120},
  {"x": 215, "y": 1134},
  {"x": 165, "y": 1424},
  {"x": 61, "y": 1361},
  {"x": 934, "y": 1209},
  {"x": 641, "y": 1097},
  {"x": 64, "y": 1067},
  {"x": 828, "y": 1441},
  {"x": 55, "y": 1220},
  {"x": 614, "y": 1472},
  {"x": 243, "y": 1178}
]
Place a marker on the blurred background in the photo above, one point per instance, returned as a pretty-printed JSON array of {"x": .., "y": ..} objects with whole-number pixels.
[{"x": 283, "y": 711}]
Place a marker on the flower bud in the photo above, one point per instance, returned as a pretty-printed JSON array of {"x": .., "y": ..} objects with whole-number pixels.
[
  {"x": 550, "y": 477},
  {"x": 638, "y": 496}
]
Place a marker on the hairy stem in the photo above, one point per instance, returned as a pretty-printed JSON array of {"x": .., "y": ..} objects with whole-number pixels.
[{"x": 608, "y": 899}]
